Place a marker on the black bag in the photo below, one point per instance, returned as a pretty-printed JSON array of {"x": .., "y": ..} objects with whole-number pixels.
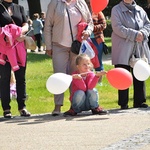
[
  {"x": 75, "y": 47},
  {"x": 105, "y": 49}
]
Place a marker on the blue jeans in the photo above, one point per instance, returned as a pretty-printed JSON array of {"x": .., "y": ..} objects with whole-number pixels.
[
  {"x": 100, "y": 53},
  {"x": 84, "y": 101}
]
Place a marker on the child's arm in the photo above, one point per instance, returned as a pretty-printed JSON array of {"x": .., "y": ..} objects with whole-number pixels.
[
  {"x": 94, "y": 78},
  {"x": 78, "y": 82},
  {"x": 77, "y": 76},
  {"x": 100, "y": 73}
]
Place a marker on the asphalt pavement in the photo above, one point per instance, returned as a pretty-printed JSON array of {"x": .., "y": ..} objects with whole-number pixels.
[{"x": 120, "y": 130}]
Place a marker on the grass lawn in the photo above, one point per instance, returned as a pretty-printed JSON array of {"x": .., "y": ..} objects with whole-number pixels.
[{"x": 39, "y": 68}]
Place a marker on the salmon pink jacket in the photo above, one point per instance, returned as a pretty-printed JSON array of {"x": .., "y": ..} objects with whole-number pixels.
[{"x": 83, "y": 84}]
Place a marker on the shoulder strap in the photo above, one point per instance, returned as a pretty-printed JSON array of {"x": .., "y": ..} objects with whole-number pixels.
[
  {"x": 8, "y": 13},
  {"x": 69, "y": 23}
]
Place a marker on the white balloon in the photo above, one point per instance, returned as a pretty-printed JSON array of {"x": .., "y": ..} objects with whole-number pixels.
[
  {"x": 141, "y": 70},
  {"x": 58, "y": 83}
]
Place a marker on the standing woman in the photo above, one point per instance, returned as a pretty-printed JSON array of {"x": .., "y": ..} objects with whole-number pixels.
[
  {"x": 58, "y": 37},
  {"x": 131, "y": 27},
  {"x": 13, "y": 14}
]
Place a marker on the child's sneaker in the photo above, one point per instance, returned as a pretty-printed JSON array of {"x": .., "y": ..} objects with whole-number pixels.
[
  {"x": 99, "y": 111},
  {"x": 70, "y": 112}
]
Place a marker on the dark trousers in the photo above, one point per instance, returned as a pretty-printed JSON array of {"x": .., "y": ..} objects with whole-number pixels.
[
  {"x": 38, "y": 40},
  {"x": 139, "y": 94},
  {"x": 5, "y": 73}
]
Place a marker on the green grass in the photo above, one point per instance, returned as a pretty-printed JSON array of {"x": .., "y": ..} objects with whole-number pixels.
[{"x": 39, "y": 68}]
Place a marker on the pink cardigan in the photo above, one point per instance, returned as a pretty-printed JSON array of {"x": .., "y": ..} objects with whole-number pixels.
[
  {"x": 16, "y": 55},
  {"x": 83, "y": 84}
]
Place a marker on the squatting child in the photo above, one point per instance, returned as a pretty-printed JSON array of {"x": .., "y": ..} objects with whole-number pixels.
[{"x": 84, "y": 96}]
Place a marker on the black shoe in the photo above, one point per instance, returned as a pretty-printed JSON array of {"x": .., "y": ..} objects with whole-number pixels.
[
  {"x": 99, "y": 111},
  {"x": 143, "y": 105},
  {"x": 24, "y": 113},
  {"x": 7, "y": 114},
  {"x": 124, "y": 107}
]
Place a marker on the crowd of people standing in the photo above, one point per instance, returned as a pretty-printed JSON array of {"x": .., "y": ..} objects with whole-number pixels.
[
  {"x": 55, "y": 30},
  {"x": 36, "y": 30}
]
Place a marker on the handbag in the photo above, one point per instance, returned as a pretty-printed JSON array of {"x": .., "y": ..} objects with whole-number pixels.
[
  {"x": 133, "y": 59},
  {"x": 75, "y": 46},
  {"x": 28, "y": 41},
  {"x": 105, "y": 49}
]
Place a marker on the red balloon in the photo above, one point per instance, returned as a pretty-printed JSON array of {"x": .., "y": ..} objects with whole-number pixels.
[
  {"x": 98, "y": 5},
  {"x": 119, "y": 78}
]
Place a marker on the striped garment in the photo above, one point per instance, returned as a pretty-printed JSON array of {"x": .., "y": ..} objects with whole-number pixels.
[{"x": 99, "y": 25}]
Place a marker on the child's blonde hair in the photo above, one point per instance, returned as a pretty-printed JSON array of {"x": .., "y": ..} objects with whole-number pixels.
[{"x": 80, "y": 57}]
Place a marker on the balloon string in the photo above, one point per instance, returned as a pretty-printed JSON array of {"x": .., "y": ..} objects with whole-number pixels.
[{"x": 84, "y": 73}]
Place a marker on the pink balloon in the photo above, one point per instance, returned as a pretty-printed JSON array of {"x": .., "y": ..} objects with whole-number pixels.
[
  {"x": 98, "y": 5},
  {"x": 119, "y": 78}
]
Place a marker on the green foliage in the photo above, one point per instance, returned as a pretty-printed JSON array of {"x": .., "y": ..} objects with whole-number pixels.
[{"x": 108, "y": 30}]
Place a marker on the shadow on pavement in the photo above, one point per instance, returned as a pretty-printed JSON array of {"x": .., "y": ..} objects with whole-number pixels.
[
  {"x": 37, "y": 119},
  {"x": 84, "y": 116}
]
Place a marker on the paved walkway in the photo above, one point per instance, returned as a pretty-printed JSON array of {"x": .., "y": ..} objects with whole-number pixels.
[
  {"x": 107, "y": 59},
  {"x": 120, "y": 130}
]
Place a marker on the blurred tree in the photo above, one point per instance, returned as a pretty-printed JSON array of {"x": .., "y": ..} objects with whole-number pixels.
[
  {"x": 112, "y": 3},
  {"x": 142, "y": 3},
  {"x": 34, "y": 7}
]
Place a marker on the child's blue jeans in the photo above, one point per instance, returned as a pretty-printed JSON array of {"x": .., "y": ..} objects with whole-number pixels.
[{"x": 84, "y": 101}]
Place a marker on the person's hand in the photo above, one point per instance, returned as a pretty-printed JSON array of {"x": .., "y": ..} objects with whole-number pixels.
[
  {"x": 100, "y": 73},
  {"x": 21, "y": 38},
  {"x": 77, "y": 76},
  {"x": 139, "y": 37},
  {"x": 85, "y": 35},
  {"x": 49, "y": 53}
]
